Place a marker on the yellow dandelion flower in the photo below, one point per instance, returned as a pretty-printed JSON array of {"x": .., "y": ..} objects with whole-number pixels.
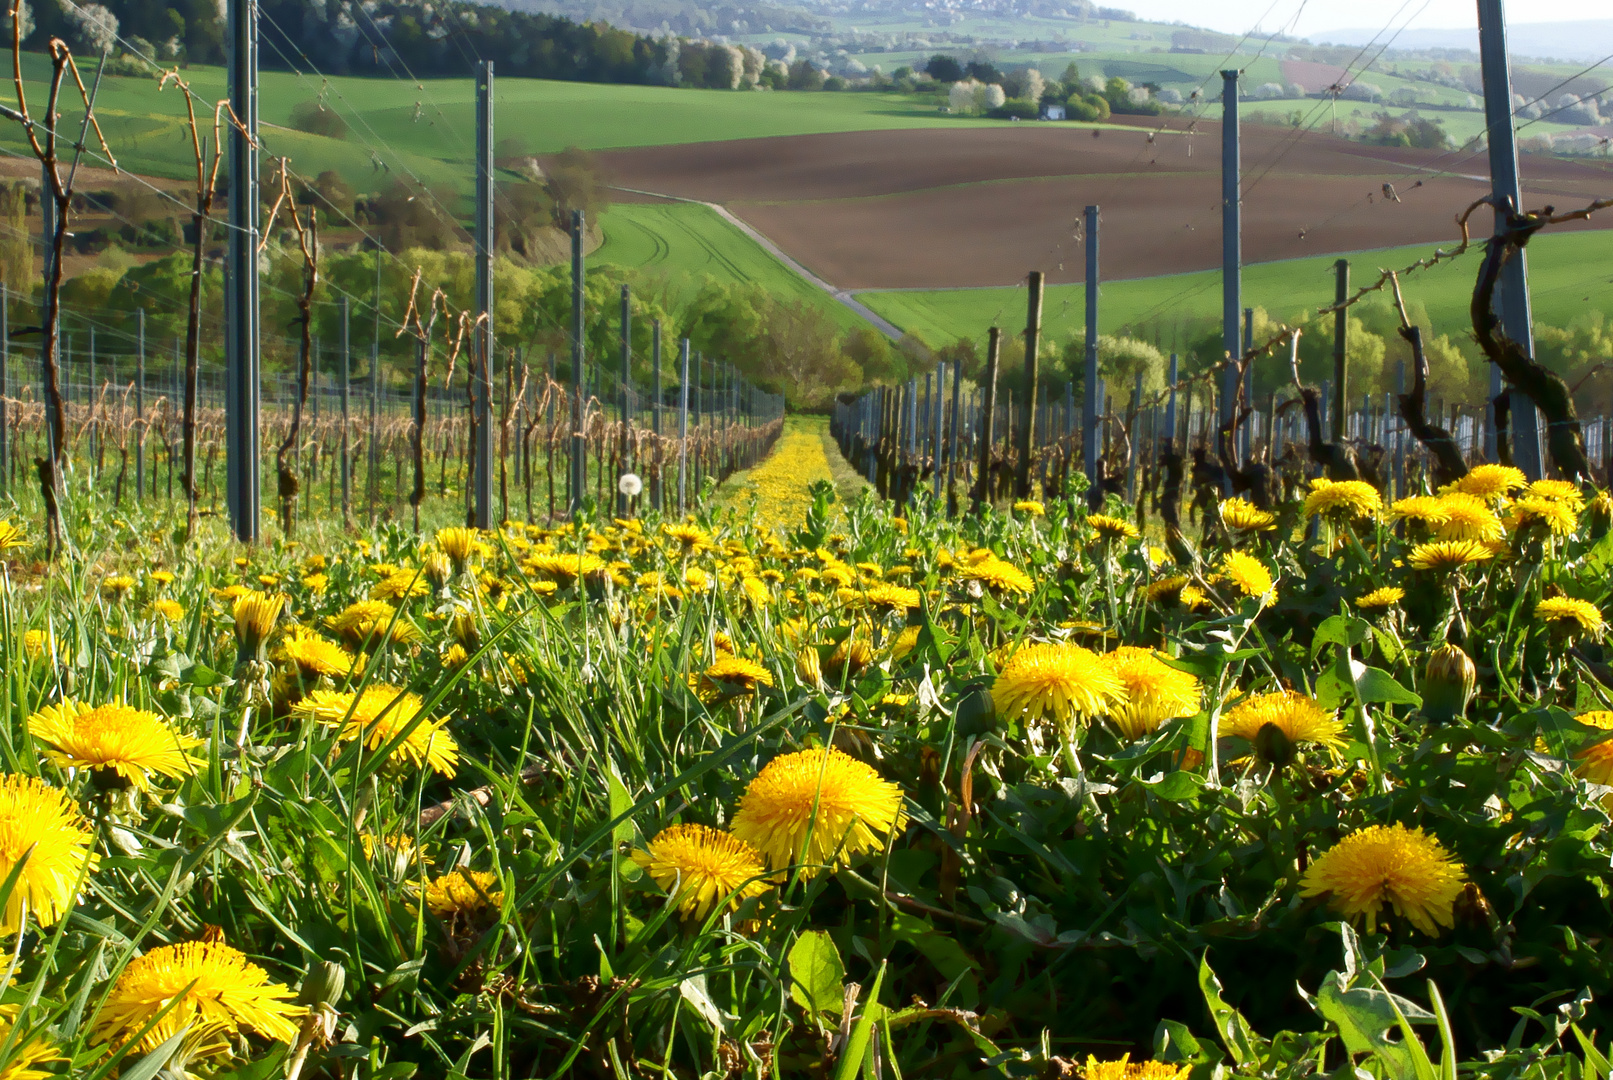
[
  {"x": 401, "y": 584},
  {"x": 11, "y": 537},
  {"x": 208, "y": 985},
  {"x": 905, "y": 642},
  {"x": 27, "y": 1052},
  {"x": 115, "y": 739},
  {"x": 1249, "y": 574},
  {"x": 1241, "y": 515},
  {"x": 1300, "y": 719},
  {"x": 690, "y": 538},
  {"x": 1343, "y": 499},
  {"x": 378, "y": 716},
  {"x": 837, "y": 574},
  {"x": 42, "y": 823},
  {"x": 702, "y": 867},
  {"x": 736, "y": 674},
  {"x": 1407, "y": 869},
  {"x": 1490, "y": 482},
  {"x": 1467, "y": 517},
  {"x": 459, "y": 544},
  {"x": 37, "y": 644},
  {"x": 172, "y": 610},
  {"x": 1562, "y": 491},
  {"x": 1596, "y": 760},
  {"x": 1192, "y": 597},
  {"x": 891, "y": 597},
  {"x": 1445, "y": 555},
  {"x": 313, "y": 656},
  {"x": 373, "y": 620},
  {"x": 815, "y": 808},
  {"x": 1570, "y": 614},
  {"x": 1165, "y": 589},
  {"x": 756, "y": 592},
  {"x": 463, "y": 892},
  {"x": 1112, "y": 528},
  {"x": 1559, "y": 517},
  {"x": 1059, "y": 682},
  {"x": 1000, "y": 576},
  {"x": 117, "y": 586},
  {"x": 1126, "y": 1069},
  {"x": 565, "y": 569},
  {"x": 1154, "y": 691},
  {"x": 1030, "y": 508},
  {"x": 316, "y": 583},
  {"x": 1426, "y": 510},
  {"x": 1386, "y": 597}
]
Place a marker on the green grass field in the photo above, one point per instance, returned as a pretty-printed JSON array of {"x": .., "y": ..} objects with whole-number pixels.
[
  {"x": 434, "y": 141},
  {"x": 1569, "y": 275},
  {"x": 688, "y": 242}
]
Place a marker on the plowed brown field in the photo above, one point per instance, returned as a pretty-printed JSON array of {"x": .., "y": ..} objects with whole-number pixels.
[{"x": 933, "y": 209}]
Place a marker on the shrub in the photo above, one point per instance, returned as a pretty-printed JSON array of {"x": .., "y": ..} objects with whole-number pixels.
[{"x": 315, "y": 118}]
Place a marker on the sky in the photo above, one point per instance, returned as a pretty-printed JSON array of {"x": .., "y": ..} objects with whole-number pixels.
[{"x": 1237, "y": 16}]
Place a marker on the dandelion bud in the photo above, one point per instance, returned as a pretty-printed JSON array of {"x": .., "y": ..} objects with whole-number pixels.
[
  {"x": 323, "y": 985},
  {"x": 255, "y": 615},
  {"x": 438, "y": 568},
  {"x": 1448, "y": 684},
  {"x": 458, "y": 543}
]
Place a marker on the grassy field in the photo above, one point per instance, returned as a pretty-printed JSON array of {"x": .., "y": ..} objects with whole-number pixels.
[
  {"x": 1567, "y": 272},
  {"x": 389, "y": 135},
  {"x": 688, "y": 242}
]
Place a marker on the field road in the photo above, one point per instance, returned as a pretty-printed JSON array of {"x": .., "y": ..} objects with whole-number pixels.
[{"x": 981, "y": 206}]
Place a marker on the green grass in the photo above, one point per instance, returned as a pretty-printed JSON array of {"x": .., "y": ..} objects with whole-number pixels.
[
  {"x": 688, "y": 242},
  {"x": 434, "y": 142},
  {"x": 1568, "y": 274}
]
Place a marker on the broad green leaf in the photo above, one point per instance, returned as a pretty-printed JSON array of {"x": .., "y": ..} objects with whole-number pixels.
[
  {"x": 1345, "y": 630},
  {"x": 1374, "y": 685},
  {"x": 1176, "y": 786},
  {"x": 1230, "y": 1025},
  {"x": 817, "y": 974},
  {"x": 1174, "y": 1043},
  {"x": 1364, "y": 1016}
]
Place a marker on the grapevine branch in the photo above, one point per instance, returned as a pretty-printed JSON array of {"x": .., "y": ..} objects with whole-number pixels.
[
  {"x": 60, "y": 191},
  {"x": 206, "y": 190}
]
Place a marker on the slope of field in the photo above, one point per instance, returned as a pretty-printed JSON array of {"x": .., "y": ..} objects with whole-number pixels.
[
  {"x": 871, "y": 210},
  {"x": 1570, "y": 274},
  {"x": 687, "y": 243},
  {"x": 426, "y": 131}
]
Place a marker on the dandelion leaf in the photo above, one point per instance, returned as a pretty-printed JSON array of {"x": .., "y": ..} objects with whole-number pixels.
[{"x": 817, "y": 973}]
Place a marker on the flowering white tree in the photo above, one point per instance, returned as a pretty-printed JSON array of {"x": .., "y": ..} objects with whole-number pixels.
[
  {"x": 97, "y": 27},
  {"x": 1027, "y": 84},
  {"x": 991, "y": 97},
  {"x": 961, "y": 97}
]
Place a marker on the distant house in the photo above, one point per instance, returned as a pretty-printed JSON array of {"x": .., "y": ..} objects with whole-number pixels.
[{"x": 1052, "y": 112}]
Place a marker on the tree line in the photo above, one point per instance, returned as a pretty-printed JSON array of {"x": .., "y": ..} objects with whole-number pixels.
[{"x": 375, "y": 37}]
